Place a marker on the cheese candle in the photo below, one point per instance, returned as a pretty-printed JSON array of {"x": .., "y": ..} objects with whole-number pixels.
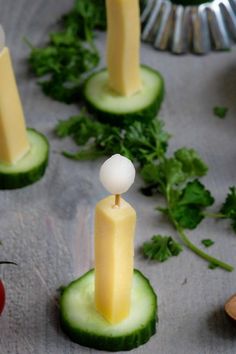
[
  {"x": 13, "y": 137},
  {"x": 114, "y": 233},
  {"x": 123, "y": 42}
]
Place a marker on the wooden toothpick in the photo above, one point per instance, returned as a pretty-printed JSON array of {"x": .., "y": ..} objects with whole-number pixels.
[{"x": 117, "y": 200}]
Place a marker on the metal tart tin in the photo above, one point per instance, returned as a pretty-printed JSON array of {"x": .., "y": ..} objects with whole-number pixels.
[{"x": 181, "y": 29}]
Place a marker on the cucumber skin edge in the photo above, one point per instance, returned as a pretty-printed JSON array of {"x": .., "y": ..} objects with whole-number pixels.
[
  {"x": 112, "y": 344},
  {"x": 146, "y": 114},
  {"x": 121, "y": 343},
  {"x": 20, "y": 180}
]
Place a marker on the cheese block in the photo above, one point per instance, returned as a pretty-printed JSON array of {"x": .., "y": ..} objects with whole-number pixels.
[
  {"x": 13, "y": 136},
  {"x": 123, "y": 42},
  {"x": 114, "y": 235}
]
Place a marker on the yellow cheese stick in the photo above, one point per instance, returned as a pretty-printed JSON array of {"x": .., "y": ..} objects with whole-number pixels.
[
  {"x": 13, "y": 137},
  {"x": 114, "y": 235},
  {"x": 123, "y": 42}
]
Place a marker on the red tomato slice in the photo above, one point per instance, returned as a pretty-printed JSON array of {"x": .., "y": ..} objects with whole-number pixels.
[{"x": 2, "y": 296}]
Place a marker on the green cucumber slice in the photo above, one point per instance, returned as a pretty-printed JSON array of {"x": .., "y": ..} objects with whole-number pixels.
[
  {"x": 84, "y": 325},
  {"x": 30, "y": 168},
  {"x": 115, "y": 109}
]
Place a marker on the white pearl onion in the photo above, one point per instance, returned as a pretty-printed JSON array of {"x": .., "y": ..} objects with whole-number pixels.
[{"x": 117, "y": 174}]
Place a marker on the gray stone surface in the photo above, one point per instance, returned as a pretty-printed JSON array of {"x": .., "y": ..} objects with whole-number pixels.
[{"x": 47, "y": 228}]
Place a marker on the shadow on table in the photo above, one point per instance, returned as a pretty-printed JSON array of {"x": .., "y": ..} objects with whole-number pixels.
[{"x": 221, "y": 325}]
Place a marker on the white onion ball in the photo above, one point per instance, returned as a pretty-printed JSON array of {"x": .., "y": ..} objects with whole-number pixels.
[{"x": 117, "y": 174}]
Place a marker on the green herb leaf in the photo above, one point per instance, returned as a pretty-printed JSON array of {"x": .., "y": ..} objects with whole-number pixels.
[
  {"x": 228, "y": 209},
  {"x": 140, "y": 142},
  {"x": 70, "y": 53},
  {"x": 171, "y": 172},
  {"x": 83, "y": 155},
  {"x": 196, "y": 194},
  {"x": 220, "y": 112},
  {"x": 187, "y": 209},
  {"x": 207, "y": 242},
  {"x": 192, "y": 164},
  {"x": 187, "y": 216},
  {"x": 160, "y": 248},
  {"x": 212, "y": 265},
  {"x": 81, "y": 128},
  {"x": 85, "y": 17},
  {"x": 150, "y": 173},
  {"x": 147, "y": 142}
]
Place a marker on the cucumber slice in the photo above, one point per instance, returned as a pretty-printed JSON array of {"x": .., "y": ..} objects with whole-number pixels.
[
  {"x": 84, "y": 325},
  {"x": 115, "y": 109},
  {"x": 30, "y": 168}
]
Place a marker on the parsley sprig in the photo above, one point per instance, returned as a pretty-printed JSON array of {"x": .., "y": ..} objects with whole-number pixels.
[
  {"x": 71, "y": 54},
  {"x": 177, "y": 178},
  {"x": 139, "y": 142},
  {"x": 228, "y": 209}
]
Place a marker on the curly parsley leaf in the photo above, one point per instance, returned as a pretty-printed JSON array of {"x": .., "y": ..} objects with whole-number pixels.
[
  {"x": 174, "y": 171},
  {"x": 140, "y": 142},
  {"x": 160, "y": 248},
  {"x": 85, "y": 17},
  {"x": 187, "y": 216},
  {"x": 186, "y": 198},
  {"x": 171, "y": 172},
  {"x": 207, "y": 242},
  {"x": 228, "y": 209},
  {"x": 220, "y": 112},
  {"x": 213, "y": 265},
  {"x": 70, "y": 53},
  {"x": 150, "y": 173},
  {"x": 146, "y": 142},
  {"x": 192, "y": 164},
  {"x": 81, "y": 128},
  {"x": 196, "y": 194},
  {"x": 176, "y": 178},
  {"x": 187, "y": 210}
]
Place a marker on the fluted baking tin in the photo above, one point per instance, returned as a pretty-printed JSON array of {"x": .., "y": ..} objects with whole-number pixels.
[{"x": 198, "y": 29}]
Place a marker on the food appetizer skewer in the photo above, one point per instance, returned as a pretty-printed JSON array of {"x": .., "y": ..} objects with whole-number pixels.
[
  {"x": 125, "y": 91},
  {"x": 112, "y": 307},
  {"x": 23, "y": 152}
]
